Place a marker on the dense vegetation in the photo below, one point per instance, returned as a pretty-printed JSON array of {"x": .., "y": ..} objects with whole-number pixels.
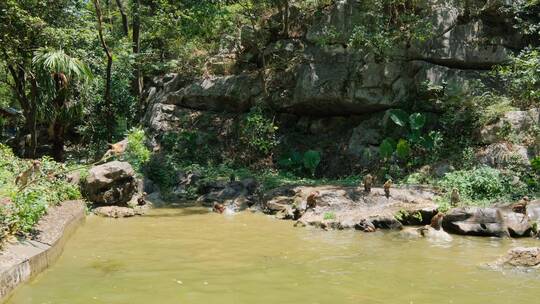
[{"x": 76, "y": 70}]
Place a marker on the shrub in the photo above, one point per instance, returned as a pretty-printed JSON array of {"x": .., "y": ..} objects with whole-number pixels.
[
  {"x": 477, "y": 185},
  {"x": 329, "y": 216},
  {"x": 30, "y": 203},
  {"x": 312, "y": 159},
  {"x": 137, "y": 154},
  {"x": 259, "y": 132}
]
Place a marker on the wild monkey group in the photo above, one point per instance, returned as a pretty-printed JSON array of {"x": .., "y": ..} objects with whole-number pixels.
[{"x": 24, "y": 177}]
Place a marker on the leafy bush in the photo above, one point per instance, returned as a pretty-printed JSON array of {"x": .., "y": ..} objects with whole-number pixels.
[
  {"x": 28, "y": 204},
  {"x": 297, "y": 162},
  {"x": 479, "y": 185},
  {"x": 312, "y": 159},
  {"x": 329, "y": 216},
  {"x": 259, "y": 132},
  {"x": 522, "y": 77},
  {"x": 137, "y": 154}
]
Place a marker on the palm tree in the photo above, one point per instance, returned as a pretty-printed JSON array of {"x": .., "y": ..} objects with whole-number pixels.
[{"x": 59, "y": 77}]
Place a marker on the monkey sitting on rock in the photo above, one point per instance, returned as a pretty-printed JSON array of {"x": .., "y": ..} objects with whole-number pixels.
[
  {"x": 311, "y": 201},
  {"x": 521, "y": 206}
]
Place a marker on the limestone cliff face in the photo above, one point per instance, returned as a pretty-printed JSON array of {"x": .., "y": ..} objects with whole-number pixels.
[{"x": 333, "y": 91}]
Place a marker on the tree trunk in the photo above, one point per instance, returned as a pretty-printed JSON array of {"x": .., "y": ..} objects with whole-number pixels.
[
  {"x": 28, "y": 106},
  {"x": 137, "y": 82},
  {"x": 125, "y": 26},
  {"x": 110, "y": 122},
  {"x": 286, "y": 22},
  {"x": 58, "y": 140}
]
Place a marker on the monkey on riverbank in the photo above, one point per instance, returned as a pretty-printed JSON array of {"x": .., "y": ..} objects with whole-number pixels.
[
  {"x": 521, "y": 206},
  {"x": 368, "y": 183},
  {"x": 454, "y": 198},
  {"x": 24, "y": 177},
  {"x": 436, "y": 221},
  {"x": 141, "y": 201},
  {"x": 311, "y": 201},
  {"x": 218, "y": 208},
  {"x": 387, "y": 185}
]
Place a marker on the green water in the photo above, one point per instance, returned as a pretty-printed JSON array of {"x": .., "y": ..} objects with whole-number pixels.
[{"x": 190, "y": 256}]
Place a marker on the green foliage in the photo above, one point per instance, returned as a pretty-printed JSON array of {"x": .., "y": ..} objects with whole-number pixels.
[
  {"x": 399, "y": 117},
  {"x": 31, "y": 202},
  {"x": 311, "y": 160},
  {"x": 403, "y": 149},
  {"x": 386, "y": 149},
  {"x": 417, "y": 121},
  {"x": 259, "y": 132},
  {"x": 297, "y": 162},
  {"x": 480, "y": 185},
  {"x": 329, "y": 216},
  {"x": 137, "y": 154},
  {"x": 386, "y": 25},
  {"x": 535, "y": 164},
  {"x": 522, "y": 78}
]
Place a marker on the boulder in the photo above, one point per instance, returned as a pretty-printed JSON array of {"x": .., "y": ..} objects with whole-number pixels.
[
  {"x": 500, "y": 155},
  {"x": 511, "y": 122},
  {"x": 233, "y": 195},
  {"x": 520, "y": 258},
  {"x": 232, "y": 93},
  {"x": 492, "y": 221},
  {"x": 474, "y": 221},
  {"x": 351, "y": 208},
  {"x": 112, "y": 183},
  {"x": 117, "y": 212},
  {"x": 429, "y": 233}
]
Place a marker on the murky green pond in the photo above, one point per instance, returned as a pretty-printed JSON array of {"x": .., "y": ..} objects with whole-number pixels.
[{"x": 190, "y": 256}]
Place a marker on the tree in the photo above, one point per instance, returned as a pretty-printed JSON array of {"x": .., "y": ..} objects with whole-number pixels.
[
  {"x": 24, "y": 27},
  {"x": 59, "y": 75},
  {"x": 108, "y": 99}
]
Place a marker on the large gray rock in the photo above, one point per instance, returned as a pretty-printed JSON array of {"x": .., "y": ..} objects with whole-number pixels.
[
  {"x": 500, "y": 155},
  {"x": 493, "y": 221},
  {"x": 474, "y": 221},
  {"x": 234, "y": 93},
  {"x": 352, "y": 208},
  {"x": 520, "y": 258},
  {"x": 113, "y": 183},
  {"x": 517, "y": 122}
]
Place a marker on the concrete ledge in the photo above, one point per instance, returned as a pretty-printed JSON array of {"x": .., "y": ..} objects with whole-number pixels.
[{"x": 19, "y": 262}]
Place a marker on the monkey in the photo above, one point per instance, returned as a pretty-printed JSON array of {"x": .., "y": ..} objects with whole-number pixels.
[
  {"x": 218, "y": 208},
  {"x": 436, "y": 221},
  {"x": 521, "y": 206},
  {"x": 454, "y": 198},
  {"x": 368, "y": 182},
  {"x": 116, "y": 149},
  {"x": 60, "y": 81},
  {"x": 311, "y": 200},
  {"x": 24, "y": 177},
  {"x": 387, "y": 187},
  {"x": 141, "y": 200}
]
